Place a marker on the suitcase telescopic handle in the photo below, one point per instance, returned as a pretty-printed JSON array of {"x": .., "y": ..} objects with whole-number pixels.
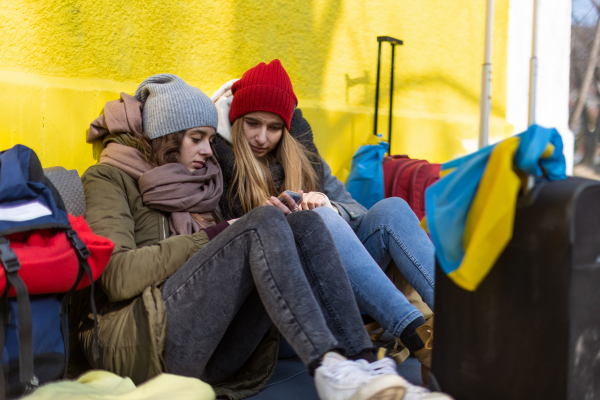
[{"x": 394, "y": 42}]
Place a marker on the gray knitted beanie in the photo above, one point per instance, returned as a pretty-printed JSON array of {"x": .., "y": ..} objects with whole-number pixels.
[{"x": 171, "y": 105}]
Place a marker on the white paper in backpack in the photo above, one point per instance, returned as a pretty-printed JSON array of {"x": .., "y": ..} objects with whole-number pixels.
[{"x": 24, "y": 212}]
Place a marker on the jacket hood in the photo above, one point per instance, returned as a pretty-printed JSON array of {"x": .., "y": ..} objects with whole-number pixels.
[
  {"x": 222, "y": 99},
  {"x": 125, "y": 139}
]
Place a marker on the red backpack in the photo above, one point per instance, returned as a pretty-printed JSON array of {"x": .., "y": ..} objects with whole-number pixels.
[{"x": 408, "y": 178}]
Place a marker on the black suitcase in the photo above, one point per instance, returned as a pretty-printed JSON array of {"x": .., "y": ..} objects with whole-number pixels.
[{"x": 531, "y": 331}]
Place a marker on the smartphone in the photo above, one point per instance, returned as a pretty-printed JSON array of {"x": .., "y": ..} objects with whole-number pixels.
[{"x": 297, "y": 197}]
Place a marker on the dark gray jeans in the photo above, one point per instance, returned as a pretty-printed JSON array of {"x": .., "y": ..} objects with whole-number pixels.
[{"x": 257, "y": 272}]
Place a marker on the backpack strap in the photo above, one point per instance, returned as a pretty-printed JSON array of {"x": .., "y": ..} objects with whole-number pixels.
[
  {"x": 4, "y": 317},
  {"x": 65, "y": 308},
  {"x": 83, "y": 254},
  {"x": 11, "y": 268}
]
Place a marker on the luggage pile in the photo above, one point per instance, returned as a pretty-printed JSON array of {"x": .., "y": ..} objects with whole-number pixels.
[
  {"x": 400, "y": 175},
  {"x": 518, "y": 267},
  {"x": 408, "y": 178}
]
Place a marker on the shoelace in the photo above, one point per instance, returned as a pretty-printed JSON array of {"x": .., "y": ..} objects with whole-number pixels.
[
  {"x": 385, "y": 366},
  {"x": 347, "y": 371}
]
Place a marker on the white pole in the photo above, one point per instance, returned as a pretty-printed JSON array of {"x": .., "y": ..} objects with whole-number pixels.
[
  {"x": 485, "y": 101},
  {"x": 533, "y": 66}
]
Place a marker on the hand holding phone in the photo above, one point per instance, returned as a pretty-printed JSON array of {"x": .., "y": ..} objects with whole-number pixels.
[
  {"x": 288, "y": 201},
  {"x": 297, "y": 197}
]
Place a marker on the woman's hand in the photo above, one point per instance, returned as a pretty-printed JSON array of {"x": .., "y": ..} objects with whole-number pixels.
[
  {"x": 231, "y": 221},
  {"x": 288, "y": 208},
  {"x": 312, "y": 200}
]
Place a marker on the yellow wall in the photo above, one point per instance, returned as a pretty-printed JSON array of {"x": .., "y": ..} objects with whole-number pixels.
[{"x": 61, "y": 60}]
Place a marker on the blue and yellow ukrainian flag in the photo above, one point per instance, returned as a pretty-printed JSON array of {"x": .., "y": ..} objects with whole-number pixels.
[{"x": 470, "y": 211}]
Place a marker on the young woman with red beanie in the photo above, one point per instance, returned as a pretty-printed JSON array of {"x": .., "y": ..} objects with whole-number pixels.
[
  {"x": 265, "y": 146},
  {"x": 186, "y": 295}
]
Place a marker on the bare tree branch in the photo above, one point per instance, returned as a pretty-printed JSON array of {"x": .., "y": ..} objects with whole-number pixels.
[
  {"x": 588, "y": 76},
  {"x": 588, "y": 139}
]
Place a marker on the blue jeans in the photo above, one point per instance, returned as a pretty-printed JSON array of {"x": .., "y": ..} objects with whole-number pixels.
[{"x": 389, "y": 231}]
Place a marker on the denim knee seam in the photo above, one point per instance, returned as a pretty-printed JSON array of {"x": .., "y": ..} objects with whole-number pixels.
[
  {"x": 404, "y": 249},
  {"x": 410, "y": 256},
  {"x": 322, "y": 292}
]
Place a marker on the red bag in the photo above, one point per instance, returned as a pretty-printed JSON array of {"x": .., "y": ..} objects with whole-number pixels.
[
  {"x": 408, "y": 178},
  {"x": 49, "y": 263}
]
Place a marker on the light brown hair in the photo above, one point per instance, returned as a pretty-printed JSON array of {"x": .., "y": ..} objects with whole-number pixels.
[
  {"x": 163, "y": 150},
  {"x": 253, "y": 181}
]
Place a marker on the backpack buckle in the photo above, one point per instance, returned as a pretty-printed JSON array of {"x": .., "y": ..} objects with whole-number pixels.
[
  {"x": 80, "y": 247},
  {"x": 8, "y": 257}
]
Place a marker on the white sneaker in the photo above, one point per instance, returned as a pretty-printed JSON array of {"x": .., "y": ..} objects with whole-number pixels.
[
  {"x": 387, "y": 366},
  {"x": 415, "y": 392},
  {"x": 341, "y": 379}
]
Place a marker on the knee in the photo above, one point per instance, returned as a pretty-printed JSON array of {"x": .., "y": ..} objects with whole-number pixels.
[
  {"x": 327, "y": 214},
  {"x": 334, "y": 223},
  {"x": 320, "y": 218},
  {"x": 305, "y": 220},
  {"x": 308, "y": 227},
  {"x": 391, "y": 206},
  {"x": 267, "y": 211},
  {"x": 264, "y": 216}
]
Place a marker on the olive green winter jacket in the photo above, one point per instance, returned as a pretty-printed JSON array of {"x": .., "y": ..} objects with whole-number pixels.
[{"x": 132, "y": 319}]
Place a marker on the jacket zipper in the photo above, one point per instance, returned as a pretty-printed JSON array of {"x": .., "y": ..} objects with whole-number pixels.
[{"x": 164, "y": 229}]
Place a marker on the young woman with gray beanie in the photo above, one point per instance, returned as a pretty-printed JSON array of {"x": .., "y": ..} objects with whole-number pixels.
[{"x": 193, "y": 296}]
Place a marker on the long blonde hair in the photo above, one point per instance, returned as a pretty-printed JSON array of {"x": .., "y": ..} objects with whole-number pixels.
[{"x": 253, "y": 181}]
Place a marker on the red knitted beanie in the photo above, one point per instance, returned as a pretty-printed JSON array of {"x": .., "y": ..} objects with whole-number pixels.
[{"x": 266, "y": 87}]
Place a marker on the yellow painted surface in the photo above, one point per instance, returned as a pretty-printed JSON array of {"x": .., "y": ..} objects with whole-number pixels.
[{"x": 61, "y": 60}]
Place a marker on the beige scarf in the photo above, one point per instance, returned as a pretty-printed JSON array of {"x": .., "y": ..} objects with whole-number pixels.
[
  {"x": 119, "y": 116},
  {"x": 172, "y": 187}
]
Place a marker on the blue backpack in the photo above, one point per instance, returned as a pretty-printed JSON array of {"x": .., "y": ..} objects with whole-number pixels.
[{"x": 33, "y": 329}]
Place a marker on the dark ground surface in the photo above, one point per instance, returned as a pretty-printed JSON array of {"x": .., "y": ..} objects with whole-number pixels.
[{"x": 292, "y": 382}]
